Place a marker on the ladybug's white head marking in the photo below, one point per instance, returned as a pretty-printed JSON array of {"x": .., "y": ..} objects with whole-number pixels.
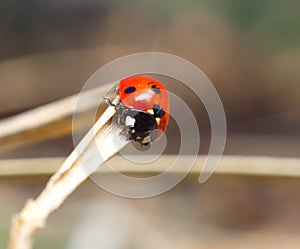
[{"x": 129, "y": 121}]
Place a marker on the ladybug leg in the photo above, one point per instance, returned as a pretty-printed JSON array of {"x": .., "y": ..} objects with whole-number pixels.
[
  {"x": 118, "y": 106},
  {"x": 108, "y": 101},
  {"x": 117, "y": 88},
  {"x": 125, "y": 133},
  {"x": 122, "y": 117}
]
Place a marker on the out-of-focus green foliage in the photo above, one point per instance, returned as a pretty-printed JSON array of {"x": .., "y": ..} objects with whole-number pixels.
[
  {"x": 275, "y": 24},
  {"x": 270, "y": 24}
]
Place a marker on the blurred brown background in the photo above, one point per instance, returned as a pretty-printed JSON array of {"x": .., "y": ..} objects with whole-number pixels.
[{"x": 251, "y": 52}]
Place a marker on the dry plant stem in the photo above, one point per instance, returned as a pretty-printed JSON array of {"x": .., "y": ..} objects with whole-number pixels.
[
  {"x": 101, "y": 143},
  {"x": 47, "y": 121},
  {"x": 229, "y": 165}
]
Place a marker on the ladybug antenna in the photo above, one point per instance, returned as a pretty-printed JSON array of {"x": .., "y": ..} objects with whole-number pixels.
[{"x": 108, "y": 101}]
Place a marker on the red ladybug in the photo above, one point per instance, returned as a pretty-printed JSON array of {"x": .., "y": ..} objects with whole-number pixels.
[{"x": 143, "y": 109}]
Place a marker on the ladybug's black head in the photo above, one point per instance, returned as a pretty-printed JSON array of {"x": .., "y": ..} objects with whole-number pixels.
[{"x": 141, "y": 125}]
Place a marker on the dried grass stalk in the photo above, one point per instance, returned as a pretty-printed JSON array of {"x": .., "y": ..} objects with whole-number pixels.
[
  {"x": 48, "y": 121},
  {"x": 104, "y": 137}
]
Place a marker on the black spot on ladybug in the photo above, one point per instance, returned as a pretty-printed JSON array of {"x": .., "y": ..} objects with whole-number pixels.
[
  {"x": 158, "y": 111},
  {"x": 130, "y": 89},
  {"x": 156, "y": 89}
]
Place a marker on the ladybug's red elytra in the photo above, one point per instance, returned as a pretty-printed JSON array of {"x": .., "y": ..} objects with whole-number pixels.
[{"x": 143, "y": 109}]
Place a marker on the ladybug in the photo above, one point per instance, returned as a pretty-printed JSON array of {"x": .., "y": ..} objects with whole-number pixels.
[{"x": 143, "y": 108}]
